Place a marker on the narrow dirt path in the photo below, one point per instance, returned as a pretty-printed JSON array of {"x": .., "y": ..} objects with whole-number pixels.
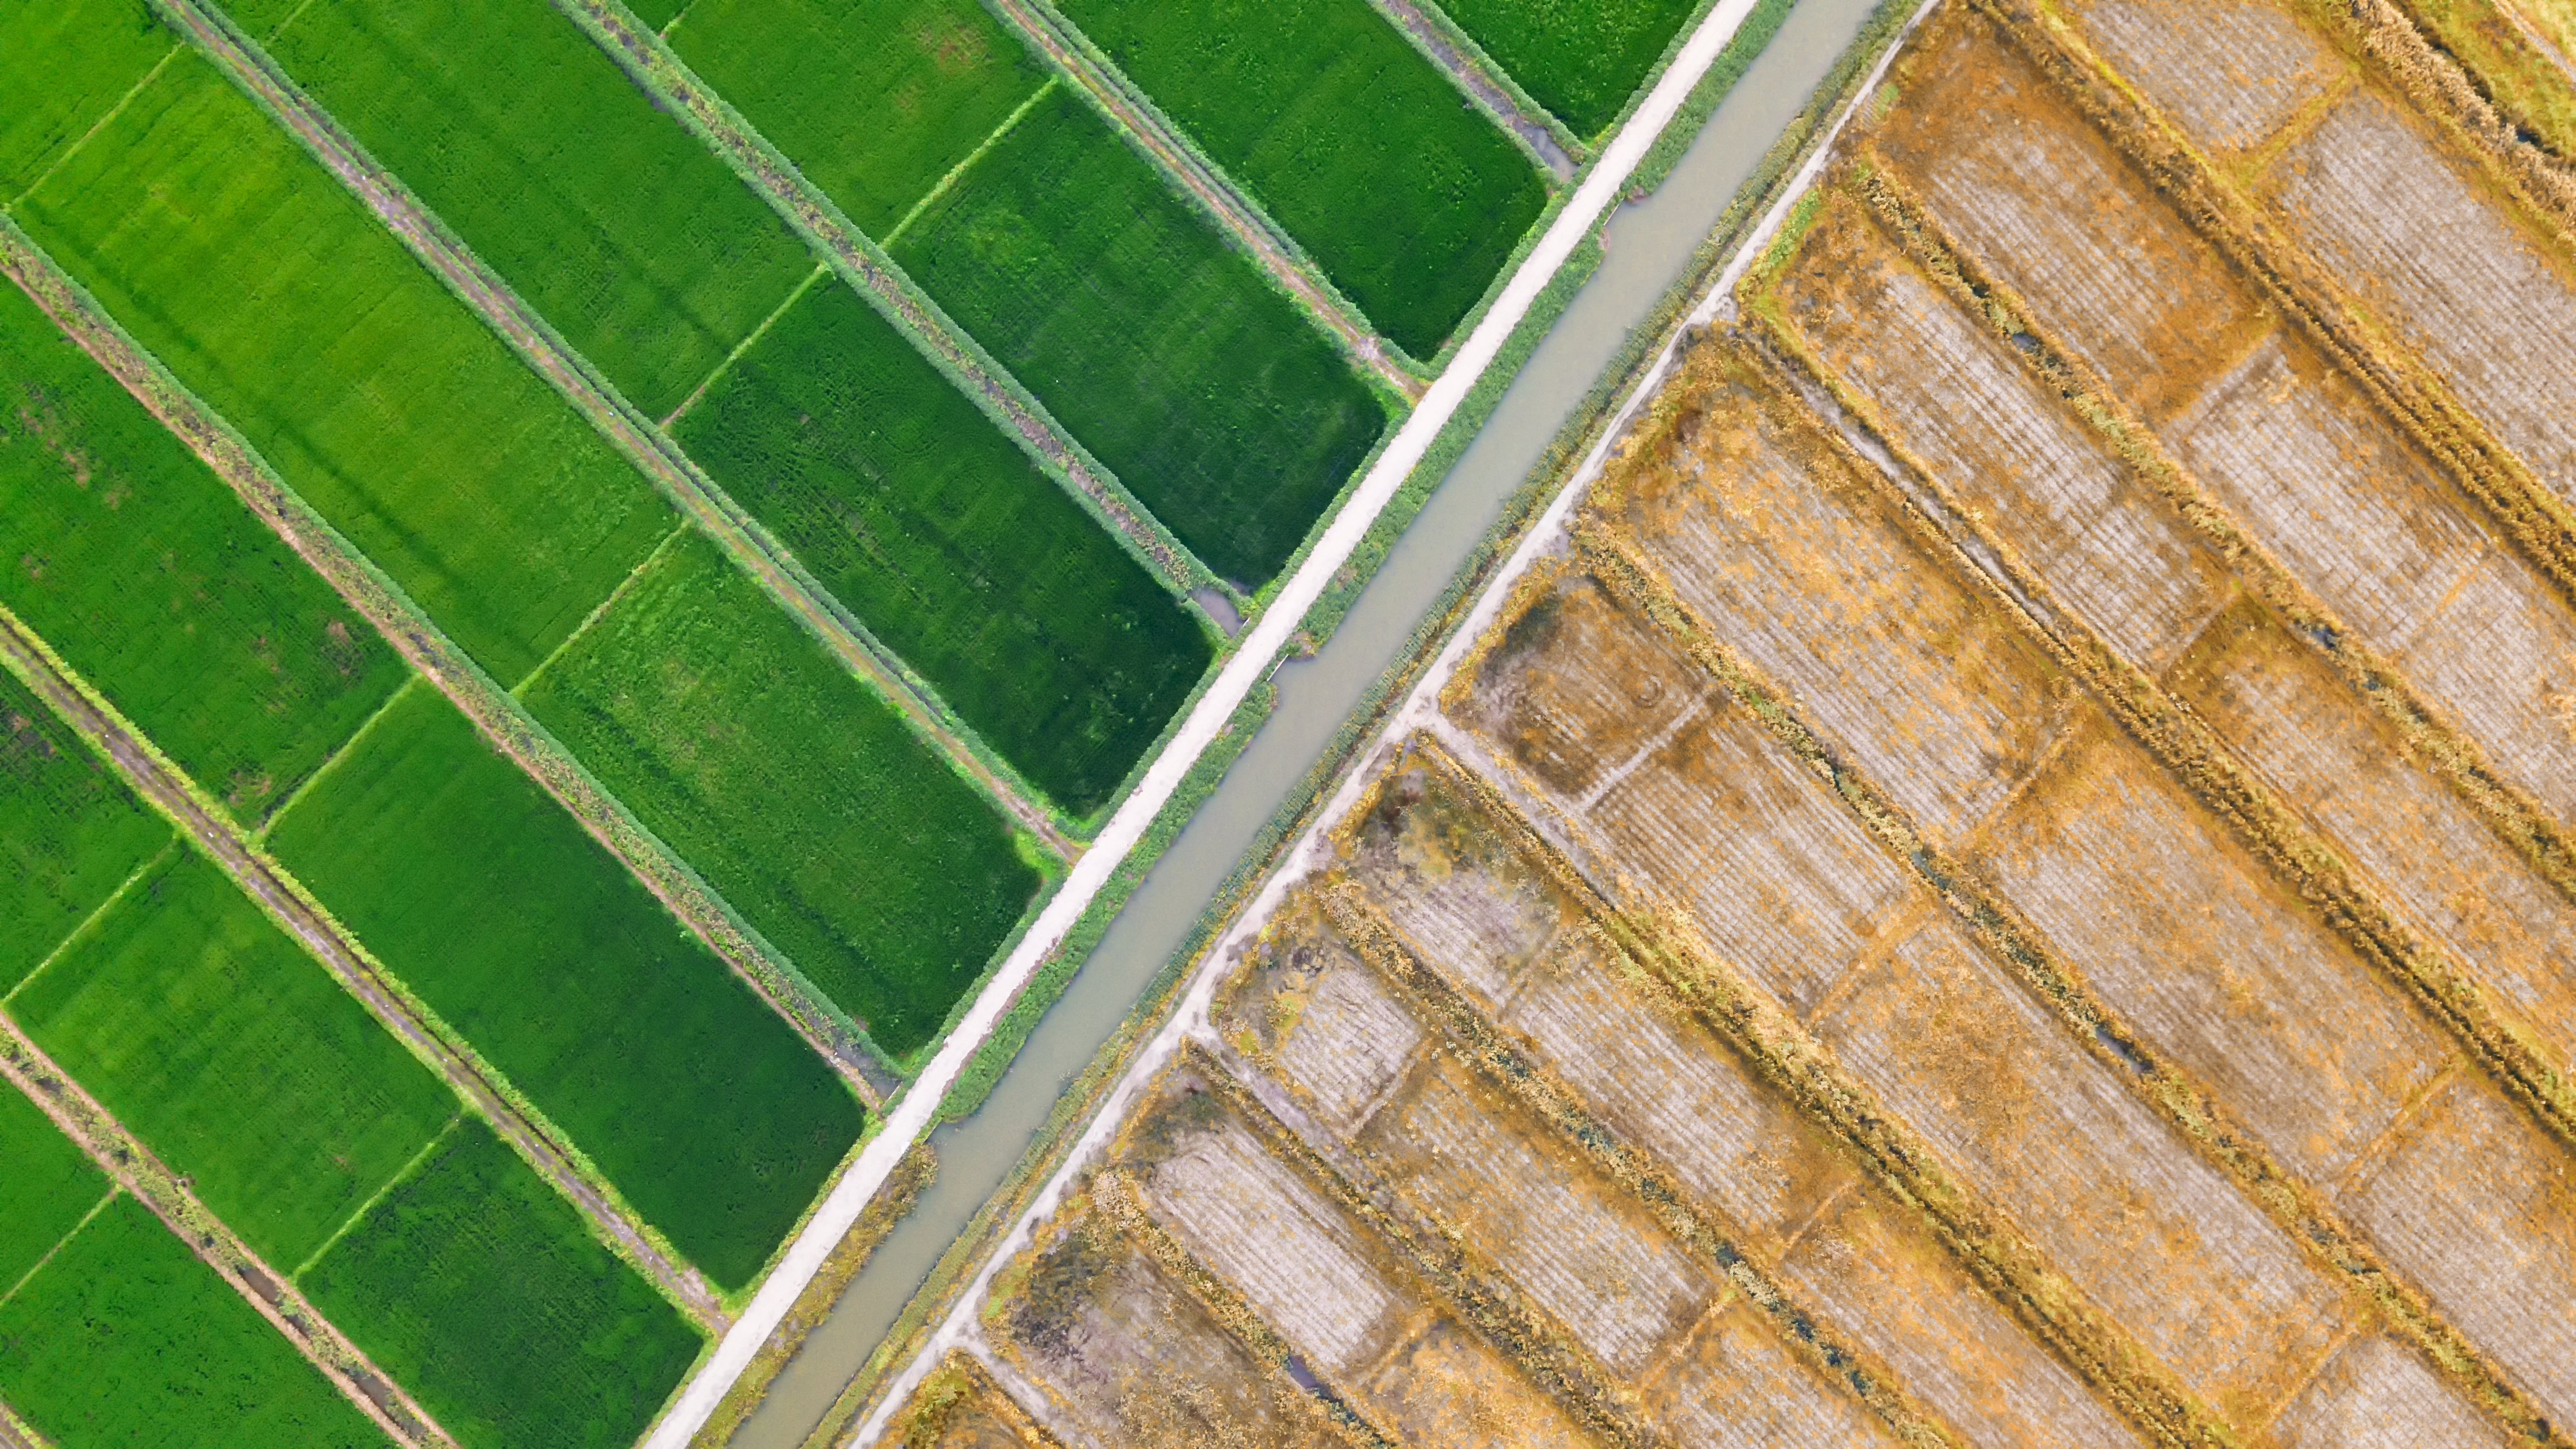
[
  {"x": 1473, "y": 77},
  {"x": 634, "y": 436},
  {"x": 1266, "y": 244},
  {"x": 287, "y": 904}
]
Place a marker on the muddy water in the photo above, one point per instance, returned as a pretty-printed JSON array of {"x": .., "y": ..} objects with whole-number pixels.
[{"x": 1649, "y": 244}]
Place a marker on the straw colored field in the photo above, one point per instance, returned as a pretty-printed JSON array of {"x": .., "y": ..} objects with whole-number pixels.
[
  {"x": 126, "y": 1338},
  {"x": 932, "y": 526},
  {"x": 275, "y": 295},
  {"x": 486, "y": 1296},
  {"x": 50, "y": 1186},
  {"x": 1409, "y": 198},
  {"x": 235, "y": 1057},
  {"x": 2375, "y": 1395},
  {"x": 796, "y": 792},
  {"x": 874, "y": 101},
  {"x": 152, "y": 579},
  {"x": 66, "y": 65},
  {"x": 2229, "y": 73},
  {"x": 959, "y": 1407},
  {"x": 532, "y": 941},
  {"x": 1161, "y": 347},
  {"x": 1128, "y": 1357},
  {"x": 70, "y": 832},
  {"x": 609, "y": 218},
  {"x": 1581, "y": 60}
]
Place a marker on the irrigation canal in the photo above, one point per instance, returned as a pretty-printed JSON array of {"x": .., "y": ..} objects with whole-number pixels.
[{"x": 1650, "y": 243}]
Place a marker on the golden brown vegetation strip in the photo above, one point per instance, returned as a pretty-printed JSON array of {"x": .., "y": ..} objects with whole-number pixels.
[
  {"x": 133, "y": 1167},
  {"x": 960, "y": 1390},
  {"x": 285, "y": 901},
  {"x": 2509, "y": 58}
]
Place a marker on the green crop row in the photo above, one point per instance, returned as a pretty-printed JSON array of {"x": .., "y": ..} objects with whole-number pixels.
[
  {"x": 536, "y": 945},
  {"x": 152, "y": 578},
  {"x": 609, "y": 219},
  {"x": 1581, "y": 59},
  {"x": 70, "y": 832},
  {"x": 273, "y": 294},
  {"x": 795, "y": 791},
  {"x": 944, "y": 538},
  {"x": 1407, "y": 196},
  {"x": 1160, "y": 347}
]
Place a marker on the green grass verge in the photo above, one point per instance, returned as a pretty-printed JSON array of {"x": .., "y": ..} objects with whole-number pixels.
[
  {"x": 534, "y": 943},
  {"x": 874, "y": 100},
  {"x": 126, "y": 1338},
  {"x": 610, "y": 219},
  {"x": 275, "y": 296},
  {"x": 1407, "y": 196},
  {"x": 151, "y": 578},
  {"x": 793, "y": 789},
  {"x": 235, "y": 1057},
  {"x": 65, "y": 64},
  {"x": 483, "y": 1293},
  {"x": 50, "y": 1186},
  {"x": 932, "y": 526},
  {"x": 1581, "y": 59},
  {"x": 70, "y": 832},
  {"x": 1163, "y": 349}
]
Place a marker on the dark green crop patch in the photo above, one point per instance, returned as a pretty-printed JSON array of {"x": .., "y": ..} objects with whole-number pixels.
[
  {"x": 1581, "y": 59},
  {"x": 50, "y": 1186},
  {"x": 534, "y": 943},
  {"x": 70, "y": 831},
  {"x": 1160, "y": 347}
]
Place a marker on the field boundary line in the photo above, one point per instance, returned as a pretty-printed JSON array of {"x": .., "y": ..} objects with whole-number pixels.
[
  {"x": 749, "y": 340},
  {"x": 436, "y": 1140},
  {"x": 1240, "y": 218},
  {"x": 258, "y": 835},
  {"x": 1540, "y": 133},
  {"x": 285, "y": 901},
  {"x": 141, "y": 1174},
  {"x": 661, "y": 462},
  {"x": 150, "y": 75},
  {"x": 92, "y": 919},
  {"x": 948, "y": 179},
  {"x": 1247, "y": 668},
  {"x": 408, "y": 628},
  {"x": 601, "y": 609},
  {"x": 13, "y": 1290},
  {"x": 660, "y": 73}
]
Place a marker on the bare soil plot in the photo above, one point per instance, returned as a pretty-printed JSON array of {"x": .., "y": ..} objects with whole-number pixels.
[
  {"x": 1128, "y": 1357},
  {"x": 2180, "y": 930},
  {"x": 1955, "y": 394},
  {"x": 1327, "y": 1026},
  {"x": 2410, "y": 229},
  {"x": 1474, "y": 908},
  {"x": 2480, "y": 1209},
  {"x": 2142, "y": 1226},
  {"x": 2229, "y": 73},
  {"x": 2376, "y": 1394},
  {"x": 1805, "y": 572},
  {"x": 2320, "y": 748}
]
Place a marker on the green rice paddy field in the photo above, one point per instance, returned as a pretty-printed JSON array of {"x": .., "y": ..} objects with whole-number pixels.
[
  {"x": 937, "y": 531},
  {"x": 1581, "y": 59},
  {"x": 642, "y": 249},
  {"x": 483, "y": 1293},
  {"x": 392, "y": 409},
  {"x": 126, "y": 1338},
  {"x": 534, "y": 943},
  {"x": 50, "y": 1186},
  {"x": 70, "y": 832},
  {"x": 66, "y": 62},
  {"x": 234, "y": 1056},
  {"x": 1410, "y": 199},
  {"x": 1209, "y": 394},
  {"x": 797, "y": 792},
  {"x": 874, "y": 100},
  {"x": 152, "y": 579}
]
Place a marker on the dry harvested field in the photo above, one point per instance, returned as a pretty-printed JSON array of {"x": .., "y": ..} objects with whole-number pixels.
[{"x": 2007, "y": 881}]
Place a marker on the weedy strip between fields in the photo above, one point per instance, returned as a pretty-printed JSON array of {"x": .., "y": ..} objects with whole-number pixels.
[{"x": 634, "y": 436}]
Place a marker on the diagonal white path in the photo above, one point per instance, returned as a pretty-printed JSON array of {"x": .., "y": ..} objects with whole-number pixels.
[{"x": 905, "y": 1123}]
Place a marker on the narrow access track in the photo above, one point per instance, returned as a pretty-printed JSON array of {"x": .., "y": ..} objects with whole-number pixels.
[
  {"x": 287, "y": 904},
  {"x": 662, "y": 75},
  {"x": 1478, "y": 79},
  {"x": 14, "y": 1433},
  {"x": 634, "y": 436},
  {"x": 1268, "y": 245}
]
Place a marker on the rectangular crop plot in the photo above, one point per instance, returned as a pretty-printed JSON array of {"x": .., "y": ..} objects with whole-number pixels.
[
  {"x": 70, "y": 831},
  {"x": 1165, "y": 351},
  {"x": 150, "y": 577},
  {"x": 483, "y": 1293},
  {"x": 50, "y": 1186},
  {"x": 874, "y": 100},
  {"x": 67, "y": 64},
  {"x": 636, "y": 242},
  {"x": 2228, "y": 72},
  {"x": 126, "y": 1338},
  {"x": 792, "y": 788},
  {"x": 1408, "y": 197},
  {"x": 932, "y": 527},
  {"x": 1581, "y": 60},
  {"x": 270, "y": 291},
  {"x": 534, "y": 943},
  {"x": 235, "y": 1057}
]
